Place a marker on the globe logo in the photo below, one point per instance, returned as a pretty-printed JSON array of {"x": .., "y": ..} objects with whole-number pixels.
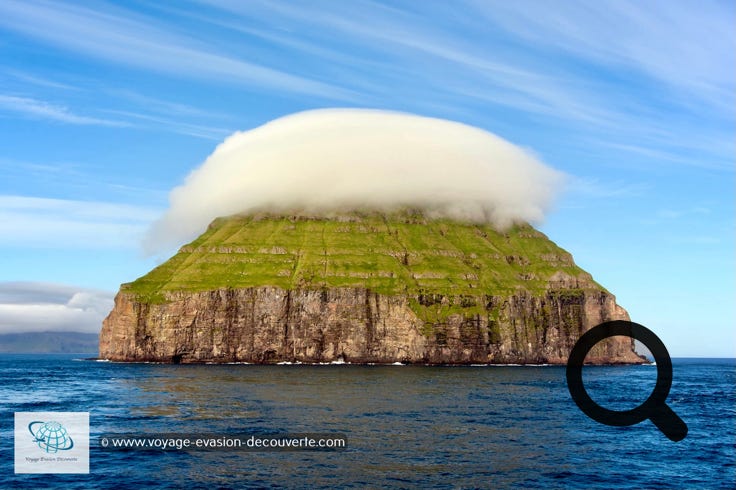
[{"x": 50, "y": 436}]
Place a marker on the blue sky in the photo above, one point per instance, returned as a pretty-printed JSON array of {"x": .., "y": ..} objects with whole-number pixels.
[{"x": 105, "y": 107}]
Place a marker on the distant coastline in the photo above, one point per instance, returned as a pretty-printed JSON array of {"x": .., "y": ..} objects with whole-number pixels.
[{"x": 48, "y": 342}]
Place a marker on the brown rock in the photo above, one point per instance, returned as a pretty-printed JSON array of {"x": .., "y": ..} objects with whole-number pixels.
[{"x": 269, "y": 325}]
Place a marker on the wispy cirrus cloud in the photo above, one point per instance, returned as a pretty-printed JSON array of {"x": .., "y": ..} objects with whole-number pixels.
[
  {"x": 34, "y": 222},
  {"x": 35, "y": 108},
  {"x": 394, "y": 36},
  {"x": 34, "y": 79},
  {"x": 162, "y": 106},
  {"x": 69, "y": 178},
  {"x": 564, "y": 63},
  {"x": 588, "y": 187},
  {"x": 627, "y": 75},
  {"x": 116, "y": 35},
  {"x": 654, "y": 38},
  {"x": 679, "y": 213},
  {"x": 38, "y": 109},
  {"x": 151, "y": 113},
  {"x": 154, "y": 114},
  {"x": 148, "y": 121}
]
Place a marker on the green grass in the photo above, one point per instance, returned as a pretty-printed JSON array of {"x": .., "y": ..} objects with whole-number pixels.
[{"x": 400, "y": 253}]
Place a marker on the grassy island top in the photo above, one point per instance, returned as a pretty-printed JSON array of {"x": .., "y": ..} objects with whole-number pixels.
[{"x": 398, "y": 253}]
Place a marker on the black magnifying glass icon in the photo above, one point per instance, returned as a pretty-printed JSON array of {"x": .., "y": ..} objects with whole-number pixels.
[{"x": 654, "y": 408}]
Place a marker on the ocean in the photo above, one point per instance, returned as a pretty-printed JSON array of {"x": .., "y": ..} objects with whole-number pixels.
[{"x": 406, "y": 426}]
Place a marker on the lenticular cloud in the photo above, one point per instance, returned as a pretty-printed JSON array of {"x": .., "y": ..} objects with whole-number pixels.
[{"x": 331, "y": 160}]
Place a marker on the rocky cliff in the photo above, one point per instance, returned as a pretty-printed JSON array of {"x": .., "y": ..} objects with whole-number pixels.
[{"x": 362, "y": 288}]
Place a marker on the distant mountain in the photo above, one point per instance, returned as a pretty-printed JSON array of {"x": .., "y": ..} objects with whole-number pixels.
[
  {"x": 362, "y": 288},
  {"x": 49, "y": 342}
]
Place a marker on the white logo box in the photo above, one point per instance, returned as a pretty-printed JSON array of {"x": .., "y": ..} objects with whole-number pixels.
[{"x": 51, "y": 442}]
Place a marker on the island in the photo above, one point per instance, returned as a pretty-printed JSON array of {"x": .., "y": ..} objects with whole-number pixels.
[{"x": 362, "y": 287}]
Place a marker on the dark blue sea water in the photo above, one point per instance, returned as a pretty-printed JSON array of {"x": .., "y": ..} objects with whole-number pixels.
[{"x": 407, "y": 427}]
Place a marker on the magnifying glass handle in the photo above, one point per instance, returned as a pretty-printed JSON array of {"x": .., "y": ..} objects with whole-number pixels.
[{"x": 669, "y": 423}]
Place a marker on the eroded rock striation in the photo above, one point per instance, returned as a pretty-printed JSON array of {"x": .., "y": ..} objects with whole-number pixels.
[{"x": 362, "y": 288}]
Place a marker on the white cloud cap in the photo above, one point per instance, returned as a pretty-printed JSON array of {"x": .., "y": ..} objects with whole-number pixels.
[{"x": 335, "y": 159}]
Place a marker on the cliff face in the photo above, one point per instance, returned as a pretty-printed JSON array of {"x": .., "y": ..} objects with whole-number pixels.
[
  {"x": 400, "y": 289},
  {"x": 262, "y": 325}
]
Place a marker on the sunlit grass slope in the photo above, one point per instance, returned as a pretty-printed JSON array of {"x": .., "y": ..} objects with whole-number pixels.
[{"x": 399, "y": 253}]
